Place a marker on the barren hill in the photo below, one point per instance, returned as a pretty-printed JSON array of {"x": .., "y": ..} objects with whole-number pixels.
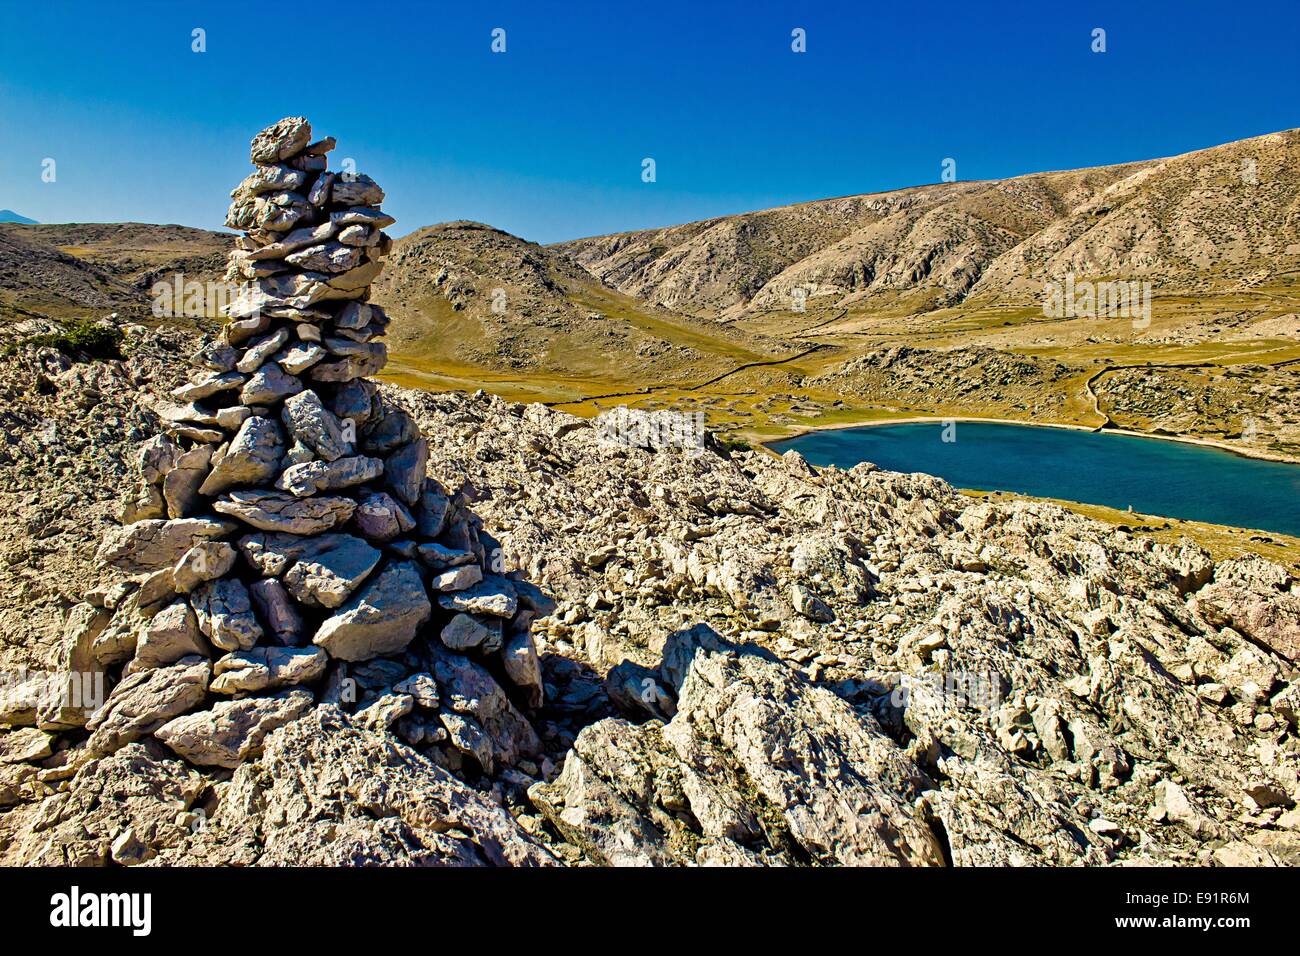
[
  {"x": 465, "y": 296},
  {"x": 1227, "y": 214},
  {"x": 64, "y": 270}
]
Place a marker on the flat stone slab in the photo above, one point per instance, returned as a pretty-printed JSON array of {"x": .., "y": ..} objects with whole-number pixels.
[
  {"x": 233, "y": 730},
  {"x": 144, "y": 701},
  {"x": 326, "y": 577},
  {"x": 156, "y": 543},
  {"x": 493, "y": 595},
  {"x": 278, "y": 511}
]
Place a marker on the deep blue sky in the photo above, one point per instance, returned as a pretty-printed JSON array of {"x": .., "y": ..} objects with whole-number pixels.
[{"x": 546, "y": 140}]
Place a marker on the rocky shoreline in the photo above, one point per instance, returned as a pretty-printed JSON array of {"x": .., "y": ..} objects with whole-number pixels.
[{"x": 1255, "y": 453}]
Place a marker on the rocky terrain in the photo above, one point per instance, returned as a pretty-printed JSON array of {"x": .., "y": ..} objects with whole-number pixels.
[
  {"x": 1251, "y": 403},
  {"x": 258, "y": 610},
  {"x": 65, "y": 271},
  {"x": 749, "y": 661},
  {"x": 1003, "y": 382}
]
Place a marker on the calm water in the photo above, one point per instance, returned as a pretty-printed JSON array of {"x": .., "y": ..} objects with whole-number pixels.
[{"x": 1156, "y": 477}]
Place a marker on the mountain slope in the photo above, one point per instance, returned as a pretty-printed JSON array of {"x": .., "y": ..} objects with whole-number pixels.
[
  {"x": 1209, "y": 217},
  {"x": 65, "y": 270},
  {"x": 468, "y": 299},
  {"x": 8, "y": 215}
]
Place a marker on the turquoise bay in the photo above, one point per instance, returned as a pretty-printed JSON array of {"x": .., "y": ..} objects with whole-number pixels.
[{"x": 1153, "y": 476}]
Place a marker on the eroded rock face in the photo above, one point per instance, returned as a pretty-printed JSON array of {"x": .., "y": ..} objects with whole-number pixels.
[
  {"x": 770, "y": 768},
  {"x": 301, "y": 805}
]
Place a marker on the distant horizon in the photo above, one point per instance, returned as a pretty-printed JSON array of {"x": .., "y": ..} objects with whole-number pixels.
[
  {"x": 547, "y": 139},
  {"x": 398, "y": 231}
]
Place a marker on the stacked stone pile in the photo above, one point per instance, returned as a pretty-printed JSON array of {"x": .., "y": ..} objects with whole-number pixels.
[{"x": 285, "y": 547}]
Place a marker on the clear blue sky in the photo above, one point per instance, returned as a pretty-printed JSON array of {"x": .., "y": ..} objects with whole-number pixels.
[{"x": 546, "y": 140}]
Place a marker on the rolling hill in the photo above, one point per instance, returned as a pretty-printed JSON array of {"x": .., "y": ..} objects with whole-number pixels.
[
  {"x": 79, "y": 270},
  {"x": 474, "y": 304},
  {"x": 919, "y": 302}
]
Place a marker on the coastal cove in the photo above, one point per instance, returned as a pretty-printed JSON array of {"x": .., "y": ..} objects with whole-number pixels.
[{"x": 1152, "y": 475}]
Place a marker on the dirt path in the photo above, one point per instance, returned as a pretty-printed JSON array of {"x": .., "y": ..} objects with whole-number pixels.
[{"x": 651, "y": 389}]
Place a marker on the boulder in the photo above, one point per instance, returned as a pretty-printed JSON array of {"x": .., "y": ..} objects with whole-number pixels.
[
  {"x": 464, "y": 632},
  {"x": 180, "y": 487},
  {"x": 268, "y": 385},
  {"x": 234, "y": 730},
  {"x": 206, "y": 561},
  {"x": 311, "y": 423},
  {"x": 173, "y": 633},
  {"x": 380, "y": 517},
  {"x": 404, "y": 471},
  {"x": 327, "y": 576},
  {"x": 311, "y": 477},
  {"x": 382, "y": 618},
  {"x": 146, "y": 700},
  {"x": 225, "y": 614},
  {"x": 252, "y": 457},
  {"x": 280, "y": 141}
]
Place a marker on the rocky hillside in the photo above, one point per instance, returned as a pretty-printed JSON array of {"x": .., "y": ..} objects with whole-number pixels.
[
  {"x": 751, "y": 661},
  {"x": 1221, "y": 216},
  {"x": 466, "y": 294},
  {"x": 928, "y": 379},
  {"x": 69, "y": 270}
]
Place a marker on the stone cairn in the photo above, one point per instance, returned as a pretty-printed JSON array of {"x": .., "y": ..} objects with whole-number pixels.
[{"x": 285, "y": 547}]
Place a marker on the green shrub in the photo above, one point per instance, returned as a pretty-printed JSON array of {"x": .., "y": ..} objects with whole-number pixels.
[{"x": 83, "y": 341}]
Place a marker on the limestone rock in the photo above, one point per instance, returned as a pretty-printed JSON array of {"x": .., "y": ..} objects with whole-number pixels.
[
  {"x": 203, "y": 562},
  {"x": 268, "y": 385},
  {"x": 417, "y": 812},
  {"x": 464, "y": 632},
  {"x": 842, "y": 789},
  {"x": 252, "y": 457},
  {"x": 180, "y": 486},
  {"x": 379, "y": 517},
  {"x": 404, "y": 471},
  {"x": 311, "y": 423},
  {"x": 170, "y": 635},
  {"x": 225, "y": 614},
  {"x": 494, "y": 595},
  {"x": 266, "y": 668},
  {"x": 280, "y": 141},
  {"x": 146, "y": 700},
  {"x": 489, "y": 727},
  {"x": 277, "y": 612},
  {"x": 326, "y": 577},
  {"x": 154, "y": 544},
  {"x": 233, "y": 730},
  {"x": 277, "y": 511},
  {"x": 382, "y": 618},
  {"x": 311, "y": 477}
]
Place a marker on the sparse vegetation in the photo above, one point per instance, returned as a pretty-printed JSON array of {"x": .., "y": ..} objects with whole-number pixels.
[{"x": 83, "y": 341}]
